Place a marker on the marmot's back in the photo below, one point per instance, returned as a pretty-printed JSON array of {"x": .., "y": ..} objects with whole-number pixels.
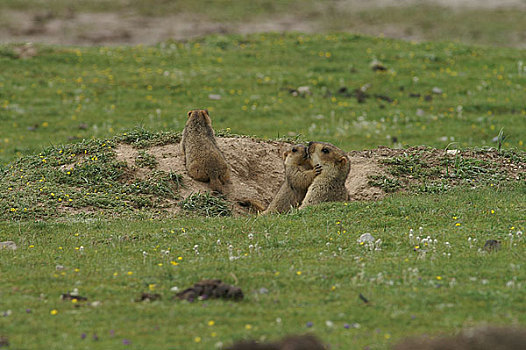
[{"x": 204, "y": 160}]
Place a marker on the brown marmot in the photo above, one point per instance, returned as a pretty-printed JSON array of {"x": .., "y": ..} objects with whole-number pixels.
[
  {"x": 329, "y": 186},
  {"x": 203, "y": 158},
  {"x": 298, "y": 177}
]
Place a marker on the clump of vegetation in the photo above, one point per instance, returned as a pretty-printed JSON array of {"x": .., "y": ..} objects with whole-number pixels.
[
  {"x": 146, "y": 160},
  {"x": 388, "y": 184},
  {"x": 142, "y": 138},
  {"x": 206, "y": 204}
]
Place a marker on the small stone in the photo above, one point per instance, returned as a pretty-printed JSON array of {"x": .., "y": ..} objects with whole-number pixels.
[
  {"x": 214, "y": 97},
  {"x": 304, "y": 90},
  {"x": 452, "y": 152},
  {"x": 437, "y": 90},
  {"x": 420, "y": 112},
  {"x": 8, "y": 245},
  {"x": 366, "y": 237},
  {"x": 492, "y": 245}
]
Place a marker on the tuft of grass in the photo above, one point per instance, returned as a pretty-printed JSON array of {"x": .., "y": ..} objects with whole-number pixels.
[
  {"x": 146, "y": 160},
  {"x": 206, "y": 204},
  {"x": 388, "y": 184},
  {"x": 140, "y": 137}
]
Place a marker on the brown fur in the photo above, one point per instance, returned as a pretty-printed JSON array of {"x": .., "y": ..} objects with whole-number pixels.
[
  {"x": 329, "y": 186},
  {"x": 298, "y": 177},
  {"x": 204, "y": 160},
  {"x": 484, "y": 338}
]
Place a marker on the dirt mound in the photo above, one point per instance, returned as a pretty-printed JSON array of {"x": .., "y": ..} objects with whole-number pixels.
[
  {"x": 143, "y": 173},
  {"x": 257, "y": 170}
]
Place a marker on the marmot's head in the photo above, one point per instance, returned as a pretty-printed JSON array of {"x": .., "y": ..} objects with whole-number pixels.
[
  {"x": 328, "y": 155},
  {"x": 199, "y": 116},
  {"x": 296, "y": 155}
]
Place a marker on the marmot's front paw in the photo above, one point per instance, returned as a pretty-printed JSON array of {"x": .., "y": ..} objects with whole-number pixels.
[{"x": 318, "y": 169}]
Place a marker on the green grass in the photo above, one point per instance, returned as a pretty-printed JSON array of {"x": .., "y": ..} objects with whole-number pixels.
[
  {"x": 66, "y": 94},
  {"x": 309, "y": 260}
]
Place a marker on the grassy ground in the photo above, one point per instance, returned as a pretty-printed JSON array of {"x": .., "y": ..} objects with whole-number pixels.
[
  {"x": 309, "y": 264},
  {"x": 64, "y": 93}
]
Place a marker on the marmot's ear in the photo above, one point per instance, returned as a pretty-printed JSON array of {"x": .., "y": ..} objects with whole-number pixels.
[
  {"x": 206, "y": 111},
  {"x": 285, "y": 154},
  {"x": 189, "y": 113},
  {"x": 343, "y": 160}
]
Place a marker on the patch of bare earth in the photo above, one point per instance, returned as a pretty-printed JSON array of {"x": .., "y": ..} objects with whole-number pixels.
[
  {"x": 128, "y": 27},
  {"x": 257, "y": 169}
]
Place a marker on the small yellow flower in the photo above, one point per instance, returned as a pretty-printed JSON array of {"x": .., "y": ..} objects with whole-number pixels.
[
  {"x": 197, "y": 339},
  {"x": 333, "y": 288},
  {"x": 492, "y": 211},
  {"x": 298, "y": 273},
  {"x": 439, "y": 278},
  {"x": 179, "y": 258},
  {"x": 54, "y": 312},
  {"x": 174, "y": 263},
  {"x": 74, "y": 301},
  {"x": 31, "y": 246},
  {"x": 211, "y": 323},
  {"x": 115, "y": 274},
  {"x": 248, "y": 327},
  {"x": 276, "y": 273},
  {"x": 213, "y": 334},
  {"x": 152, "y": 286},
  {"x": 77, "y": 270},
  {"x": 457, "y": 224},
  {"x": 129, "y": 273},
  {"x": 160, "y": 264}
]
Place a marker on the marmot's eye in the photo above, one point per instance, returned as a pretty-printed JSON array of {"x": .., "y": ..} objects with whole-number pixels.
[
  {"x": 294, "y": 150},
  {"x": 325, "y": 150}
]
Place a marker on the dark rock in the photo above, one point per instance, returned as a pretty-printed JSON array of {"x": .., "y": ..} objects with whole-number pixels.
[
  {"x": 148, "y": 297},
  {"x": 69, "y": 296},
  {"x": 296, "y": 342},
  {"x": 492, "y": 245},
  {"x": 485, "y": 338},
  {"x": 212, "y": 288}
]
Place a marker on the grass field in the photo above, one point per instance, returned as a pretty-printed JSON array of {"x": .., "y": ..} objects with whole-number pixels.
[{"x": 301, "y": 272}]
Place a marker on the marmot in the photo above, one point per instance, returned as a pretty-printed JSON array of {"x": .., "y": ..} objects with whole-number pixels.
[
  {"x": 203, "y": 158},
  {"x": 298, "y": 177},
  {"x": 329, "y": 186}
]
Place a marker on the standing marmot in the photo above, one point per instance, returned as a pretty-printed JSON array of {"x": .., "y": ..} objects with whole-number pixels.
[
  {"x": 329, "y": 186},
  {"x": 298, "y": 177},
  {"x": 203, "y": 159}
]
